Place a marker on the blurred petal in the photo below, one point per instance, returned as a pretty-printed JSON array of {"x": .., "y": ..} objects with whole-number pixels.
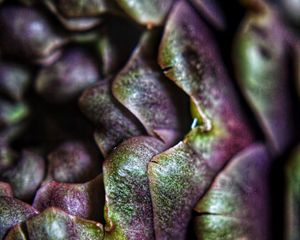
[
  {"x": 28, "y": 33},
  {"x": 5, "y": 189},
  {"x": 237, "y": 204},
  {"x": 73, "y": 23},
  {"x": 16, "y": 233},
  {"x": 67, "y": 77},
  {"x": 211, "y": 9},
  {"x": 26, "y": 175},
  {"x": 85, "y": 8},
  {"x": 12, "y": 113},
  {"x": 14, "y": 79},
  {"x": 292, "y": 207},
  {"x": 261, "y": 61},
  {"x": 73, "y": 162}
]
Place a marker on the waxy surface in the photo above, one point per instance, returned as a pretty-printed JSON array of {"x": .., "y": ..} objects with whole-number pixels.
[
  {"x": 189, "y": 57},
  {"x": 236, "y": 206},
  {"x": 54, "y": 224},
  {"x": 145, "y": 91},
  {"x": 146, "y": 12},
  {"x": 73, "y": 162},
  {"x": 81, "y": 200},
  {"x": 114, "y": 122},
  {"x": 261, "y": 61},
  {"x": 26, "y": 176},
  {"x": 128, "y": 206},
  {"x": 12, "y": 212}
]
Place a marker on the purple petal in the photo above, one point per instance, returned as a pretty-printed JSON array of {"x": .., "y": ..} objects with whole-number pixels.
[
  {"x": 13, "y": 212},
  {"x": 73, "y": 162},
  {"x": 81, "y": 200},
  {"x": 143, "y": 89},
  {"x": 237, "y": 204},
  {"x": 114, "y": 122},
  {"x": 67, "y": 77},
  {"x": 128, "y": 205},
  {"x": 26, "y": 175},
  {"x": 261, "y": 61}
]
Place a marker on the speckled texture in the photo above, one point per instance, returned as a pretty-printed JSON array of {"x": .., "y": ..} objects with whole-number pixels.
[
  {"x": 5, "y": 189},
  {"x": 237, "y": 204},
  {"x": 26, "y": 175},
  {"x": 114, "y": 122},
  {"x": 54, "y": 224},
  {"x": 73, "y": 162},
  {"x": 128, "y": 203},
  {"x": 81, "y": 200},
  {"x": 146, "y": 12},
  {"x": 67, "y": 77},
  {"x": 12, "y": 212},
  {"x": 261, "y": 62},
  {"x": 212, "y": 11},
  {"x": 14, "y": 79},
  {"x": 177, "y": 178},
  {"x": 27, "y": 33},
  {"x": 144, "y": 90},
  {"x": 188, "y": 56},
  {"x": 292, "y": 179}
]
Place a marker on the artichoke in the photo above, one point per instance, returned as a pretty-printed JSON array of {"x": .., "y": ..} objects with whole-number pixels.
[{"x": 143, "y": 120}]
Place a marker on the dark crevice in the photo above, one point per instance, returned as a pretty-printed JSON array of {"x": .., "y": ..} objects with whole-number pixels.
[{"x": 166, "y": 69}]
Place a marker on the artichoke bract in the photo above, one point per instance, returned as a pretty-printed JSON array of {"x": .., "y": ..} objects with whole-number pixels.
[
  {"x": 292, "y": 195},
  {"x": 261, "y": 55},
  {"x": 149, "y": 119}
]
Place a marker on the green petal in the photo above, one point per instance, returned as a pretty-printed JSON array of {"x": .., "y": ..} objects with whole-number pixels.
[
  {"x": 115, "y": 124},
  {"x": 177, "y": 178},
  {"x": 143, "y": 89},
  {"x": 128, "y": 203},
  {"x": 16, "y": 233},
  {"x": 292, "y": 207},
  {"x": 14, "y": 79},
  {"x": 189, "y": 57},
  {"x": 237, "y": 204},
  {"x": 54, "y": 224},
  {"x": 146, "y": 12},
  {"x": 12, "y": 113},
  {"x": 26, "y": 175},
  {"x": 85, "y": 8},
  {"x": 261, "y": 61}
]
